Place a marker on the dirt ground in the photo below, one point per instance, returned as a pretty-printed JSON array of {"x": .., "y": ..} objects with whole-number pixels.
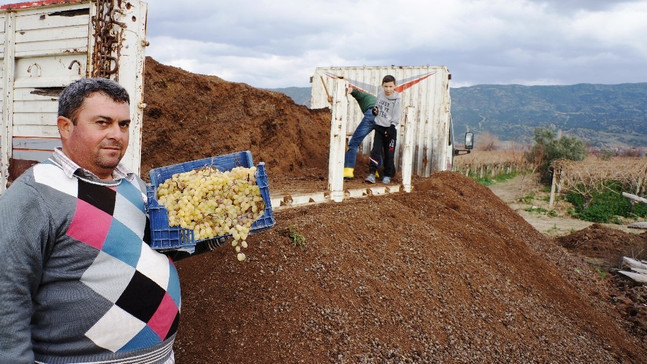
[
  {"x": 529, "y": 199},
  {"x": 451, "y": 272}
]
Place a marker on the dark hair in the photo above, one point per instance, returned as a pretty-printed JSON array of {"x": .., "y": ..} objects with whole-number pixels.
[
  {"x": 75, "y": 93},
  {"x": 388, "y": 78}
]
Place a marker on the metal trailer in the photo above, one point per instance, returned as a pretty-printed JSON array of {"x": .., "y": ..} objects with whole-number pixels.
[
  {"x": 45, "y": 45},
  {"x": 426, "y": 110}
]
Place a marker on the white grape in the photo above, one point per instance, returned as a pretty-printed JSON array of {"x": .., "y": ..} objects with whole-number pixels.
[{"x": 214, "y": 203}]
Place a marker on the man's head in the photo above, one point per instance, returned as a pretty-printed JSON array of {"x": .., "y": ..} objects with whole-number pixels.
[
  {"x": 72, "y": 97},
  {"x": 93, "y": 120},
  {"x": 388, "y": 84}
]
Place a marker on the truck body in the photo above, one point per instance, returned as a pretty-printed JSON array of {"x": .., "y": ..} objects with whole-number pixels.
[
  {"x": 426, "y": 108},
  {"x": 44, "y": 46}
]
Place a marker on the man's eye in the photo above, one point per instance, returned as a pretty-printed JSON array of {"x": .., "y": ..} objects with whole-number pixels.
[{"x": 124, "y": 124}]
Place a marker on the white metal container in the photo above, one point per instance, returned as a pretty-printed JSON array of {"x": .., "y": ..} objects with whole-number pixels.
[
  {"x": 44, "y": 46},
  {"x": 426, "y": 105}
]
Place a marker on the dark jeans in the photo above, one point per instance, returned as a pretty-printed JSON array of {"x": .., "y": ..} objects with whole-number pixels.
[{"x": 383, "y": 150}]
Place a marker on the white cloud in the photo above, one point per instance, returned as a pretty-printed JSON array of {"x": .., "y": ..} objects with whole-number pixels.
[
  {"x": 280, "y": 43},
  {"x": 621, "y": 26}
]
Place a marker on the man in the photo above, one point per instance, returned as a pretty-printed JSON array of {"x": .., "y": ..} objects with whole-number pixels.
[
  {"x": 78, "y": 282},
  {"x": 366, "y": 102}
]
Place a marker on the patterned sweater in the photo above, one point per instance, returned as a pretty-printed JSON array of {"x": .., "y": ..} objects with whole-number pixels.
[{"x": 77, "y": 281}]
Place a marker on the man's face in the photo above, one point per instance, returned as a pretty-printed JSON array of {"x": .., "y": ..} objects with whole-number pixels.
[
  {"x": 100, "y": 137},
  {"x": 388, "y": 87}
]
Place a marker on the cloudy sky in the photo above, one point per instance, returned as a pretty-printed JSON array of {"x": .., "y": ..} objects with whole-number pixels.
[{"x": 279, "y": 43}]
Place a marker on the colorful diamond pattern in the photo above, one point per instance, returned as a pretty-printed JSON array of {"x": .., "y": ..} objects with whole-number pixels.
[{"x": 142, "y": 284}]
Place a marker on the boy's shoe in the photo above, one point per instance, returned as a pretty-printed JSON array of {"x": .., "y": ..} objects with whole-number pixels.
[
  {"x": 386, "y": 180},
  {"x": 370, "y": 178},
  {"x": 348, "y": 173}
]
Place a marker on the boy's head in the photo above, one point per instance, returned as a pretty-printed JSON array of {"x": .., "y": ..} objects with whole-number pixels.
[{"x": 388, "y": 84}]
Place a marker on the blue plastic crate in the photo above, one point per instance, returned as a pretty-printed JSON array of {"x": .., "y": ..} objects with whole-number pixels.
[{"x": 165, "y": 237}]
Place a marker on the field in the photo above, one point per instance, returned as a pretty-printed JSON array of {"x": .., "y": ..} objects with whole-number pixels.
[
  {"x": 484, "y": 164},
  {"x": 590, "y": 175},
  {"x": 447, "y": 273}
]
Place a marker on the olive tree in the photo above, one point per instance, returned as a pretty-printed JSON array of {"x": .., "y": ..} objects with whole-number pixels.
[{"x": 548, "y": 148}]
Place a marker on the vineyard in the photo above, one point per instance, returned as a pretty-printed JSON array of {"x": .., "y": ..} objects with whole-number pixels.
[
  {"x": 592, "y": 188},
  {"x": 482, "y": 164},
  {"x": 583, "y": 177},
  {"x": 589, "y": 176}
]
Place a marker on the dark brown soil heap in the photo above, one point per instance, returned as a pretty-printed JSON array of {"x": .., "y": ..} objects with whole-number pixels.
[
  {"x": 190, "y": 116},
  {"x": 447, "y": 273},
  {"x": 606, "y": 246}
]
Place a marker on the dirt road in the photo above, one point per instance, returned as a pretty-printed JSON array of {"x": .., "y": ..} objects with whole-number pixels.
[{"x": 530, "y": 200}]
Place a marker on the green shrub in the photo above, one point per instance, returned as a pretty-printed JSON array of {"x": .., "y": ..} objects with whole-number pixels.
[
  {"x": 548, "y": 148},
  {"x": 606, "y": 206}
]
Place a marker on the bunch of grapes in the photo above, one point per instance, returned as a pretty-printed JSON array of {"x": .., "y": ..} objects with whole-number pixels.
[{"x": 214, "y": 203}]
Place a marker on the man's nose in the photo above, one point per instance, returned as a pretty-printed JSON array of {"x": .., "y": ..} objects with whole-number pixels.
[{"x": 115, "y": 131}]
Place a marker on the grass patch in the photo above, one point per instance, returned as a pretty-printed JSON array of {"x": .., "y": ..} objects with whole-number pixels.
[
  {"x": 536, "y": 210},
  {"x": 488, "y": 181},
  {"x": 527, "y": 198},
  {"x": 607, "y": 206},
  {"x": 298, "y": 240}
]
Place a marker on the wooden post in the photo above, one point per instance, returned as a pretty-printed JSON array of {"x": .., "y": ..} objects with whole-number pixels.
[
  {"x": 638, "y": 185},
  {"x": 634, "y": 197},
  {"x": 553, "y": 186},
  {"x": 337, "y": 141},
  {"x": 407, "y": 148}
]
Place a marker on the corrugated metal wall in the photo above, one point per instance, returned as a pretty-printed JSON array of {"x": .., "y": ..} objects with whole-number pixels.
[{"x": 424, "y": 88}]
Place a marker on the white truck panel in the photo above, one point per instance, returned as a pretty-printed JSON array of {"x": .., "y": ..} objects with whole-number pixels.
[
  {"x": 28, "y": 132},
  {"x": 57, "y": 32},
  {"x": 424, "y": 88},
  {"x": 34, "y": 148},
  {"x": 44, "y": 46}
]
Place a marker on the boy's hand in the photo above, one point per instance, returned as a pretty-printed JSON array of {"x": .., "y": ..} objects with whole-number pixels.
[{"x": 391, "y": 132}]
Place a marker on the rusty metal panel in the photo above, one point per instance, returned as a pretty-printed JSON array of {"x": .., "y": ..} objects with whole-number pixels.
[
  {"x": 48, "y": 44},
  {"x": 423, "y": 88},
  {"x": 57, "y": 31}
]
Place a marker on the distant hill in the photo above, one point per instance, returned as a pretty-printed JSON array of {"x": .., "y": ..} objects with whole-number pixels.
[
  {"x": 300, "y": 95},
  {"x": 601, "y": 115}
]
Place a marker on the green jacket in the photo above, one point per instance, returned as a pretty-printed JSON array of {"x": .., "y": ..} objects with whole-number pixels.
[{"x": 364, "y": 99}]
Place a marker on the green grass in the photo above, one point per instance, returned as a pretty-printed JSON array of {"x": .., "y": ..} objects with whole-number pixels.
[
  {"x": 488, "y": 181},
  {"x": 527, "y": 198},
  {"x": 298, "y": 240},
  {"x": 536, "y": 210}
]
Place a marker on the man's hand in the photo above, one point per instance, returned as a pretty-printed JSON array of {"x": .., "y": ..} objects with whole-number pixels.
[{"x": 390, "y": 132}]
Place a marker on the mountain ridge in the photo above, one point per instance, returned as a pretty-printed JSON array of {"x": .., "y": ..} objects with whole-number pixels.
[{"x": 603, "y": 116}]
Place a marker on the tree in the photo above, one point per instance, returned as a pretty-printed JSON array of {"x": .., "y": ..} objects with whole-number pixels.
[{"x": 548, "y": 148}]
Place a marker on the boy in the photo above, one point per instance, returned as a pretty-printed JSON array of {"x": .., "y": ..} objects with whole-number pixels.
[{"x": 388, "y": 115}]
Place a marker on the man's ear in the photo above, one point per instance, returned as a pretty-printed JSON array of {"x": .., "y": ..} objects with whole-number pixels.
[{"x": 64, "y": 126}]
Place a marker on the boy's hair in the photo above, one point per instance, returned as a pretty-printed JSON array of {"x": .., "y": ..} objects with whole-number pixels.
[
  {"x": 388, "y": 78},
  {"x": 72, "y": 97}
]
